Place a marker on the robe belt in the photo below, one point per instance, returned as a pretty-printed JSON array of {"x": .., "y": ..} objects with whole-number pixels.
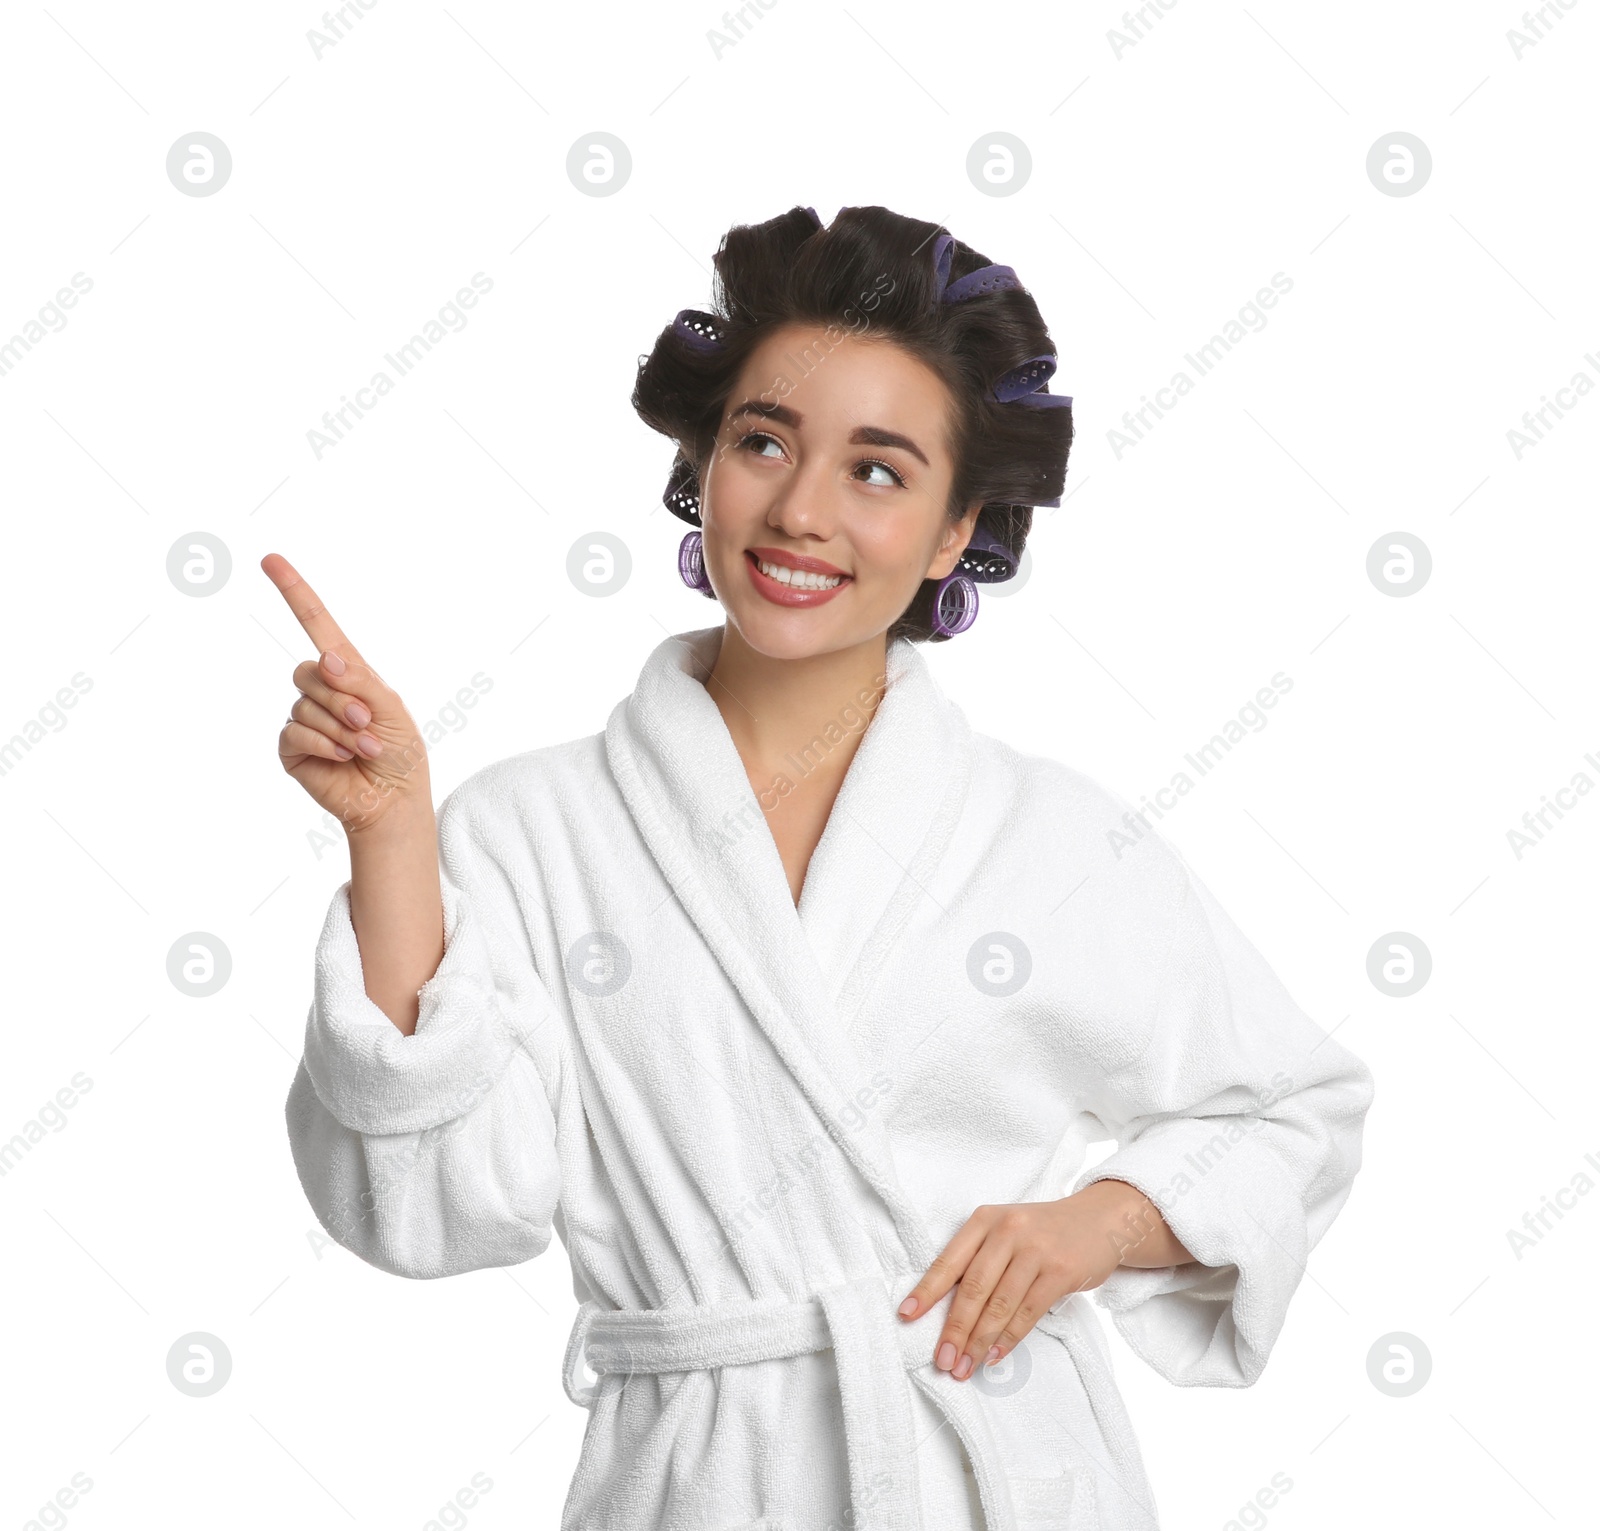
[{"x": 874, "y": 1350}]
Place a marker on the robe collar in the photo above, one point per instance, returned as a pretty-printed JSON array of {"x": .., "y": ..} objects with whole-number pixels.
[{"x": 804, "y": 973}]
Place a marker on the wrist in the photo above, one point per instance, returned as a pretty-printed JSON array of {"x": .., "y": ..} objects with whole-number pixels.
[
  {"x": 390, "y": 814},
  {"x": 1126, "y": 1216},
  {"x": 400, "y": 848},
  {"x": 1140, "y": 1234}
]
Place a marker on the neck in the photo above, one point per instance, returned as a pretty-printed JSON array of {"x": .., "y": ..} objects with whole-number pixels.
[{"x": 808, "y": 713}]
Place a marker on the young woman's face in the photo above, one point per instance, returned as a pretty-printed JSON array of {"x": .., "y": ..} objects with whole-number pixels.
[{"x": 840, "y": 482}]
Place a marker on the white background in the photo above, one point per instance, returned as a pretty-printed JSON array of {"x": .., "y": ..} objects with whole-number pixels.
[{"x": 1169, "y": 182}]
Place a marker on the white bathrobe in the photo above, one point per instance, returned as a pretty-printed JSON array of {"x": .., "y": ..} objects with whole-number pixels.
[{"x": 753, "y": 1126}]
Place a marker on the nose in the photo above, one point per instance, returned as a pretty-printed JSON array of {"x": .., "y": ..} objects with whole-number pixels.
[{"x": 806, "y": 505}]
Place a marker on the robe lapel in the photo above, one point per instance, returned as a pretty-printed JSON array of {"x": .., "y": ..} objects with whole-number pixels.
[
  {"x": 888, "y": 829},
  {"x": 801, "y": 972}
]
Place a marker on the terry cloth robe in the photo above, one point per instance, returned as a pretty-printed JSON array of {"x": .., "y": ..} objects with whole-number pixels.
[{"x": 753, "y": 1126}]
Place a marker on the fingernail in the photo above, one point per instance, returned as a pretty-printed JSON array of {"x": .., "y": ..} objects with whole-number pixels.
[
  {"x": 963, "y": 1366},
  {"x": 908, "y": 1307},
  {"x": 333, "y": 662},
  {"x": 357, "y": 716},
  {"x": 343, "y": 753},
  {"x": 993, "y": 1356},
  {"x": 946, "y": 1357},
  {"x": 368, "y": 745}
]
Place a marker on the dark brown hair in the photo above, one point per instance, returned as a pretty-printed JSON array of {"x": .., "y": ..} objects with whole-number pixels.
[{"x": 870, "y": 271}]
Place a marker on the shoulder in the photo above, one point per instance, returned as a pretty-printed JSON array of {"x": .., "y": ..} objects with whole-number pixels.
[
  {"x": 521, "y": 787},
  {"x": 1052, "y": 790},
  {"x": 1079, "y": 821}
]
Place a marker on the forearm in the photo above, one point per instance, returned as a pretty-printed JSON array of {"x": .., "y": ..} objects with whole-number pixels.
[
  {"x": 1135, "y": 1226},
  {"x": 396, "y": 906}
]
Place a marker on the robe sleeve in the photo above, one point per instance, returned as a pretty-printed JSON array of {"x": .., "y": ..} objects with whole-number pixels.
[
  {"x": 432, "y": 1154},
  {"x": 1242, "y": 1122}
]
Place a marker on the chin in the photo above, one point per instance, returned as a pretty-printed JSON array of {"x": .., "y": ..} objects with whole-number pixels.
[{"x": 799, "y": 634}]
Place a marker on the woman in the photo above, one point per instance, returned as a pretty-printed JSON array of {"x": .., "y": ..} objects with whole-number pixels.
[{"x": 792, "y": 1004}]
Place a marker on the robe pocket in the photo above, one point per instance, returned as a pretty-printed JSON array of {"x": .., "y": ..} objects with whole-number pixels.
[{"x": 1062, "y": 1503}]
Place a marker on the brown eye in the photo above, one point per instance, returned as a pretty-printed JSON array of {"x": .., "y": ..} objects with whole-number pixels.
[
  {"x": 877, "y": 462},
  {"x": 744, "y": 442}
]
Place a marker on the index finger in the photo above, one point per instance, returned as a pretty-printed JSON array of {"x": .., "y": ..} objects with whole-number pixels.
[
  {"x": 948, "y": 1266},
  {"x": 312, "y": 615}
]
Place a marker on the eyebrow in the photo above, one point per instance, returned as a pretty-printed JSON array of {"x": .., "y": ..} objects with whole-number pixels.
[{"x": 862, "y": 435}]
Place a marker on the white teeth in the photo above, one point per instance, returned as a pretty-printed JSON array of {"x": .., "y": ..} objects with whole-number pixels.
[{"x": 801, "y": 579}]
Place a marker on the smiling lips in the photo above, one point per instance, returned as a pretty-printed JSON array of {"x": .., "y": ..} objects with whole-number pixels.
[{"x": 792, "y": 579}]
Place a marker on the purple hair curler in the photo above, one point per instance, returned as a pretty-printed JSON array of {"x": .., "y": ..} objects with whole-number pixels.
[
  {"x": 692, "y": 565},
  {"x": 985, "y": 558},
  {"x": 955, "y": 604},
  {"x": 701, "y": 330}
]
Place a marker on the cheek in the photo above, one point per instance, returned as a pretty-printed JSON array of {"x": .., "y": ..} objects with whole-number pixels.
[
  {"x": 735, "y": 499},
  {"x": 893, "y": 551}
]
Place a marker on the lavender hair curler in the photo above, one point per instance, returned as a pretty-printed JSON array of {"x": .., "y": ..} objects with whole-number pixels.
[{"x": 692, "y": 564}]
